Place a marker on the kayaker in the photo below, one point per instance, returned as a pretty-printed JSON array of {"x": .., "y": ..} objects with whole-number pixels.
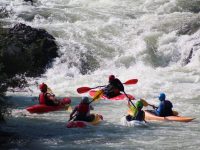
[
  {"x": 114, "y": 87},
  {"x": 46, "y": 97},
  {"x": 164, "y": 108},
  {"x": 82, "y": 111},
  {"x": 138, "y": 113}
]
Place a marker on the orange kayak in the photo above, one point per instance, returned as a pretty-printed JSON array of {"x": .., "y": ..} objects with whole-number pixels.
[{"x": 151, "y": 116}]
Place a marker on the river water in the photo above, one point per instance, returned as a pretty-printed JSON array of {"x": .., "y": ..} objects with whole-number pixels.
[{"x": 144, "y": 39}]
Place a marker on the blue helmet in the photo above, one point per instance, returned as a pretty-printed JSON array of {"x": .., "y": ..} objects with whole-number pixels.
[{"x": 162, "y": 96}]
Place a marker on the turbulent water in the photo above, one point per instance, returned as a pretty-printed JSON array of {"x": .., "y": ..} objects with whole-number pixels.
[{"x": 155, "y": 41}]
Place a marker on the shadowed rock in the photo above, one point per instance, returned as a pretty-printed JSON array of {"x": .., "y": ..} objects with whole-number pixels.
[
  {"x": 189, "y": 29},
  {"x": 29, "y": 1},
  {"x": 26, "y": 49},
  {"x": 88, "y": 64},
  {"x": 192, "y": 53},
  {"x": 187, "y": 60}
]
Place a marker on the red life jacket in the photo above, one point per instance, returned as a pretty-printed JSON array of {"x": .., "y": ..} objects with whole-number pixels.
[
  {"x": 83, "y": 109},
  {"x": 42, "y": 100}
]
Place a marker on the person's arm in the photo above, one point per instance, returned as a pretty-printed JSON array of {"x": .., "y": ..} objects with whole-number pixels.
[
  {"x": 73, "y": 112},
  {"x": 91, "y": 107},
  {"x": 144, "y": 117},
  {"x": 120, "y": 85},
  {"x": 159, "y": 109},
  {"x": 53, "y": 98},
  {"x": 154, "y": 107}
]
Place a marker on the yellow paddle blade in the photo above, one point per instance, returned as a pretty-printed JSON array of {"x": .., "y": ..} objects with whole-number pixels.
[
  {"x": 132, "y": 111},
  {"x": 49, "y": 90},
  {"x": 98, "y": 95},
  {"x": 175, "y": 113},
  {"x": 68, "y": 108},
  {"x": 144, "y": 102}
]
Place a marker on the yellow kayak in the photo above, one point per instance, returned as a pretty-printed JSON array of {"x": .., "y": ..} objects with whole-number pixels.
[{"x": 81, "y": 124}]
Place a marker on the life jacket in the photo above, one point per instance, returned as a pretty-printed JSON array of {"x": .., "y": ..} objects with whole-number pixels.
[
  {"x": 116, "y": 83},
  {"x": 83, "y": 113},
  {"x": 43, "y": 100},
  {"x": 110, "y": 91},
  {"x": 168, "y": 108},
  {"x": 83, "y": 109},
  {"x": 165, "y": 109},
  {"x": 139, "y": 116}
]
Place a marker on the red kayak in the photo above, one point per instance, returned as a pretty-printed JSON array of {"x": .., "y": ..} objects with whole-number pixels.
[
  {"x": 119, "y": 97},
  {"x": 44, "y": 108},
  {"x": 82, "y": 124}
]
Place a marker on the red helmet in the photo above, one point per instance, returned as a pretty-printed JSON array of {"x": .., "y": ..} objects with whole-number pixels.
[
  {"x": 111, "y": 77},
  {"x": 43, "y": 87}
]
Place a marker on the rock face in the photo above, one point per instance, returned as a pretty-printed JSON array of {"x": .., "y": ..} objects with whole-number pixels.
[
  {"x": 26, "y": 49},
  {"x": 29, "y": 1}
]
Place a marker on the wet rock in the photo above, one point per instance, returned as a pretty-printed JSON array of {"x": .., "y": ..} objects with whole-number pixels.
[
  {"x": 88, "y": 64},
  {"x": 187, "y": 60},
  {"x": 189, "y": 29},
  {"x": 27, "y": 50},
  {"x": 4, "y": 12},
  {"x": 191, "y": 6},
  {"x": 29, "y": 1},
  {"x": 193, "y": 51}
]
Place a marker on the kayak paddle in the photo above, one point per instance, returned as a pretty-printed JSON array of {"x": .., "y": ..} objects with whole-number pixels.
[
  {"x": 129, "y": 99},
  {"x": 86, "y": 89},
  {"x": 68, "y": 108},
  {"x": 97, "y": 96}
]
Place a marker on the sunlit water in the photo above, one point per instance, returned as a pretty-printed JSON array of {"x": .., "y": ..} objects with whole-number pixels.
[{"x": 143, "y": 39}]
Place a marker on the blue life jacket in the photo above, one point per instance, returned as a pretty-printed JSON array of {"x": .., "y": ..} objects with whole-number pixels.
[{"x": 164, "y": 109}]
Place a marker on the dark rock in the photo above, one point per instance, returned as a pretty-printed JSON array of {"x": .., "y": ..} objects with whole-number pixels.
[
  {"x": 189, "y": 28},
  {"x": 29, "y": 1},
  {"x": 27, "y": 50},
  {"x": 192, "y": 52},
  {"x": 187, "y": 60},
  {"x": 88, "y": 63}
]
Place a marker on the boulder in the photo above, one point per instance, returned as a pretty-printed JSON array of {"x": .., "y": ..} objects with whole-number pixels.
[{"x": 27, "y": 50}]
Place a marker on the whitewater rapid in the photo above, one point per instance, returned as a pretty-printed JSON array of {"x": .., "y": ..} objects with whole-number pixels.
[
  {"x": 130, "y": 39},
  {"x": 145, "y": 39}
]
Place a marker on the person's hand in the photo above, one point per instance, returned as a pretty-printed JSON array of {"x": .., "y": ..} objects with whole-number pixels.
[
  {"x": 70, "y": 117},
  {"x": 91, "y": 107},
  {"x": 60, "y": 102},
  {"x": 154, "y": 107}
]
